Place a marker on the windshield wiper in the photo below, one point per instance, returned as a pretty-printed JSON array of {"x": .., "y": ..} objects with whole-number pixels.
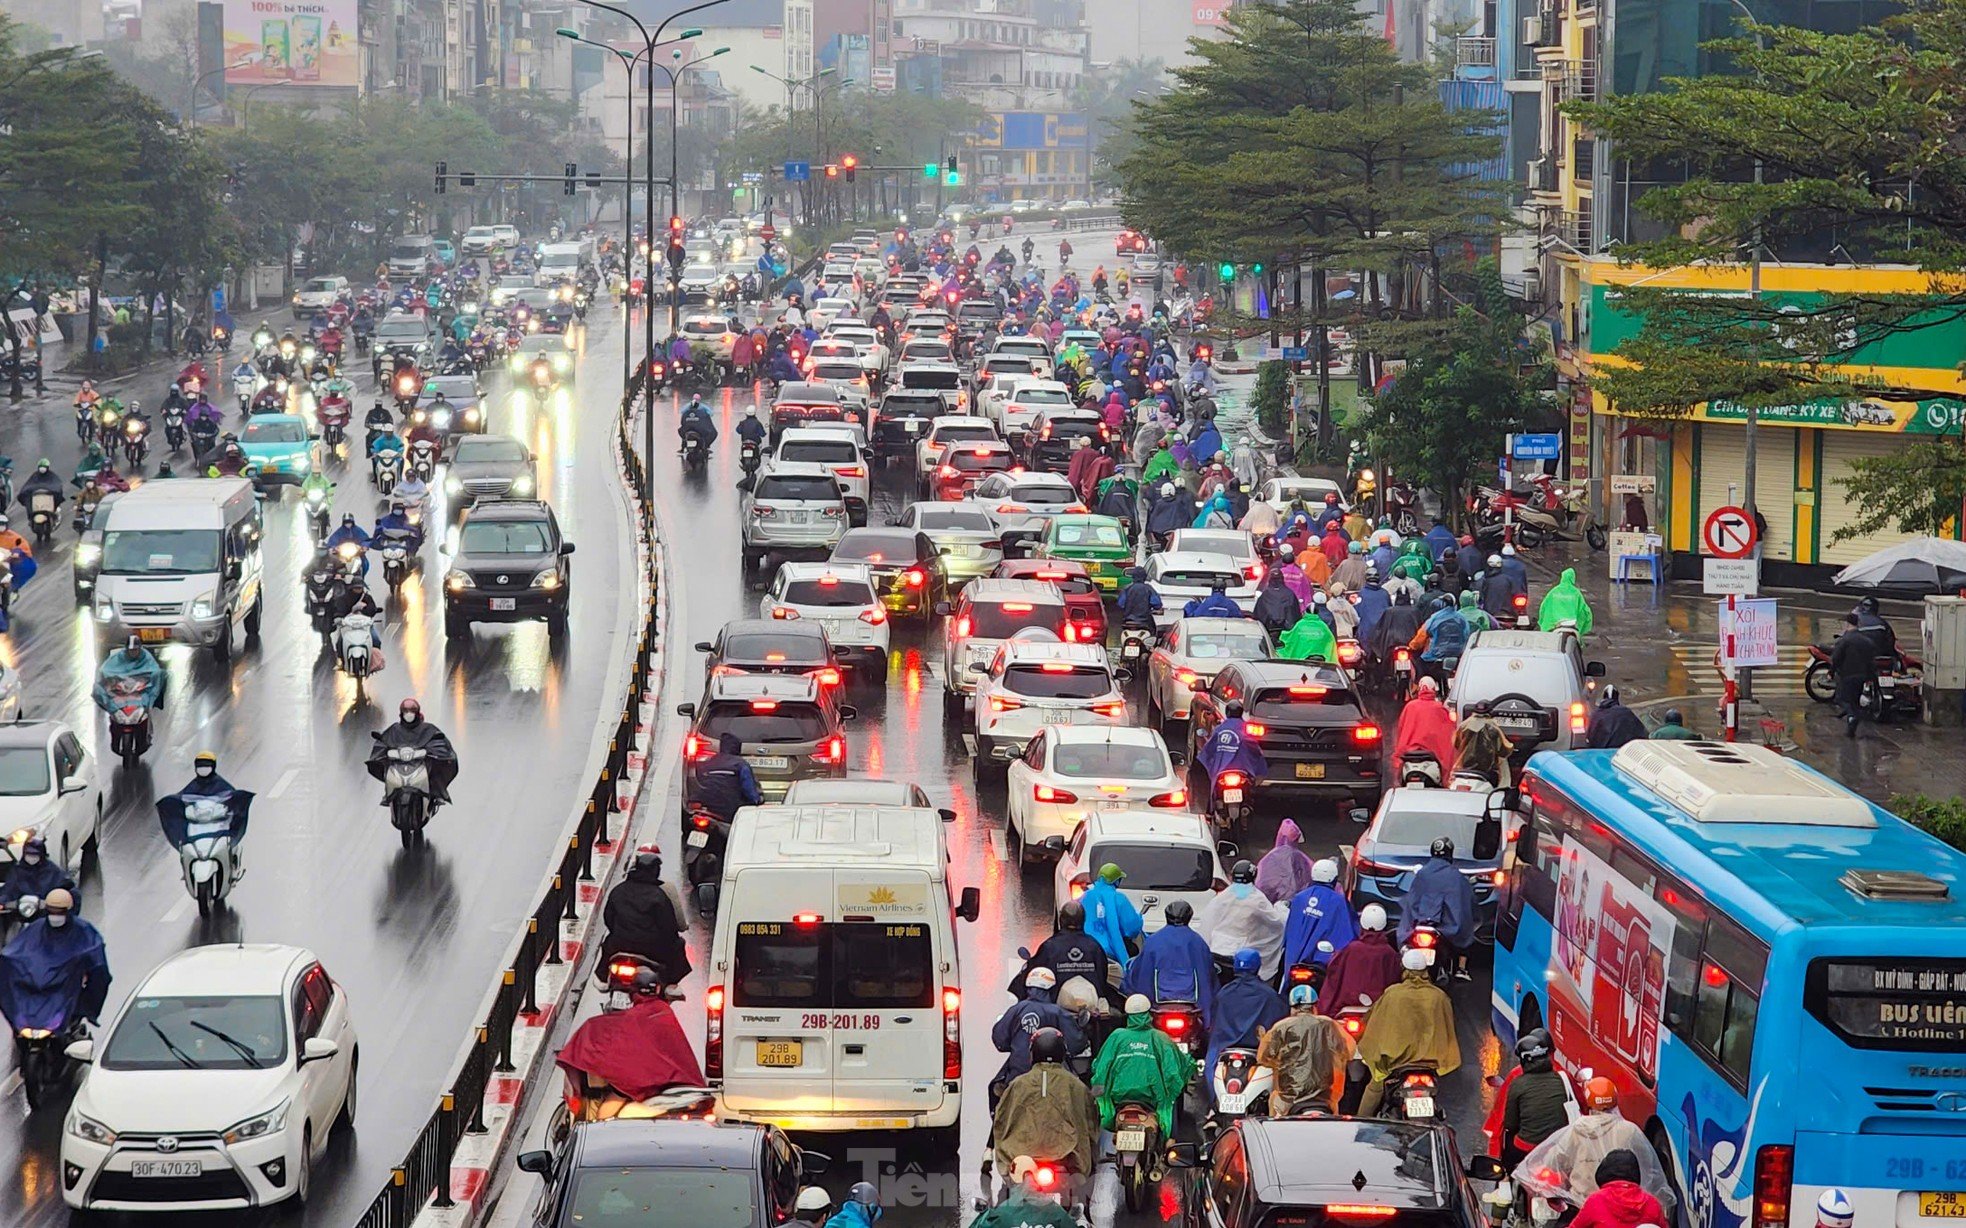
[
  {"x": 250, "y": 1054},
  {"x": 184, "y": 1058}
]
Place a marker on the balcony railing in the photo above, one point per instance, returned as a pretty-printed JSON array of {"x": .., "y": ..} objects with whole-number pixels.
[
  {"x": 1474, "y": 51},
  {"x": 1574, "y": 225}
]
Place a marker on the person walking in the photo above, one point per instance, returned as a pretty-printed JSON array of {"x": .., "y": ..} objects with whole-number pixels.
[{"x": 1853, "y": 660}]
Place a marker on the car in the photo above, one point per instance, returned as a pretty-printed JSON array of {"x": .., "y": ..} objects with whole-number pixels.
[
  {"x": 847, "y": 377},
  {"x": 510, "y": 564},
  {"x": 829, "y": 346},
  {"x": 698, "y": 283},
  {"x": 741, "y": 1175},
  {"x": 904, "y": 417},
  {"x": 1085, "y": 609},
  {"x": 927, "y": 349},
  {"x": 993, "y": 367},
  {"x": 509, "y": 287},
  {"x": 942, "y": 378},
  {"x": 837, "y": 273},
  {"x": 1394, "y": 1174},
  {"x": 928, "y": 322},
  {"x": 977, "y": 622},
  {"x": 445, "y": 251},
  {"x": 860, "y": 791},
  {"x": 873, "y": 354},
  {"x": 48, "y": 788},
  {"x": 400, "y": 335},
  {"x": 906, "y": 568},
  {"x": 1130, "y": 241},
  {"x": 1067, "y": 772},
  {"x": 835, "y": 449},
  {"x": 1184, "y": 576},
  {"x": 825, "y": 310},
  {"x": 843, "y": 250},
  {"x": 712, "y": 333},
  {"x": 789, "y": 726},
  {"x": 1535, "y": 684},
  {"x": 279, "y": 450},
  {"x": 1281, "y": 492},
  {"x": 480, "y": 241},
  {"x": 1033, "y": 681},
  {"x": 508, "y": 236},
  {"x": 841, "y": 597},
  {"x": 1075, "y": 206},
  {"x": 1025, "y": 494},
  {"x": 1054, "y": 433},
  {"x": 488, "y": 467},
  {"x": 1032, "y": 348},
  {"x": 965, "y": 536},
  {"x": 1398, "y": 839},
  {"x": 1025, "y": 206},
  {"x": 975, "y": 315},
  {"x": 466, "y": 400},
  {"x": 216, "y": 1087},
  {"x": 802, "y": 402},
  {"x": 1310, "y": 722},
  {"x": 1236, "y": 544},
  {"x": 791, "y": 508},
  {"x": 1147, "y": 267},
  {"x": 1098, "y": 542},
  {"x": 1166, "y": 855},
  {"x": 772, "y": 646},
  {"x": 964, "y": 465},
  {"x": 1019, "y": 402},
  {"x": 949, "y": 429},
  {"x": 1187, "y": 655},
  {"x": 316, "y": 295},
  {"x": 542, "y": 349}
]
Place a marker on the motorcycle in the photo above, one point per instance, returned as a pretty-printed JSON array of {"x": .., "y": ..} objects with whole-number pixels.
[
  {"x": 1182, "y": 1023},
  {"x": 41, "y": 1055},
  {"x": 109, "y": 426},
  {"x": 207, "y": 857},
  {"x": 42, "y": 508},
  {"x": 204, "y": 440},
  {"x": 703, "y": 855},
  {"x": 1051, "y": 1180},
  {"x": 396, "y": 558},
  {"x": 1410, "y": 1093},
  {"x": 1896, "y": 691},
  {"x": 28, "y": 367},
  {"x": 384, "y": 467},
  {"x": 748, "y": 457},
  {"x": 323, "y": 586},
  {"x": 174, "y": 429},
  {"x": 1229, "y": 806},
  {"x": 1135, "y": 643},
  {"x": 136, "y": 442},
  {"x": 358, "y": 654},
  {"x": 129, "y": 720},
  {"x": 406, "y": 791},
  {"x": 1242, "y": 1088},
  {"x": 1403, "y": 673},
  {"x": 1403, "y": 505},
  {"x": 17, "y": 913},
  {"x": 423, "y": 459},
  {"x": 333, "y": 414},
  {"x": 85, "y": 421},
  {"x": 1136, "y": 1151},
  {"x": 694, "y": 453}
]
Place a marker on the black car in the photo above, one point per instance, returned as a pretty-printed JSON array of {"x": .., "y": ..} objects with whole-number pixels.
[
  {"x": 1336, "y": 1172},
  {"x": 732, "y": 1174},
  {"x": 509, "y": 565},
  {"x": 485, "y": 467},
  {"x": 1055, "y": 432},
  {"x": 772, "y": 646},
  {"x": 906, "y": 566},
  {"x": 904, "y": 418},
  {"x": 1308, "y": 718}
]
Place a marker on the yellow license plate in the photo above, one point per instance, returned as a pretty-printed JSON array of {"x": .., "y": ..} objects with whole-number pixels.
[
  {"x": 270, "y": 467},
  {"x": 1310, "y": 771},
  {"x": 153, "y": 635},
  {"x": 783, "y": 1053},
  {"x": 1947, "y": 1205}
]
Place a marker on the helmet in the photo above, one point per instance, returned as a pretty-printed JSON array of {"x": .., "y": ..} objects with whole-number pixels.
[
  {"x": 1249, "y": 959},
  {"x": 1111, "y": 873},
  {"x": 648, "y": 857},
  {"x": 61, "y": 899},
  {"x": 1442, "y": 847},
  {"x": 204, "y": 759},
  {"x": 1600, "y": 1094},
  {"x": 1833, "y": 1209},
  {"x": 1372, "y": 917},
  {"x": 1869, "y": 606},
  {"x": 1355, "y": 548},
  {"x": 1494, "y": 560},
  {"x": 1416, "y": 959},
  {"x": 1041, "y": 977},
  {"x": 1047, "y": 1045},
  {"x": 814, "y": 1198},
  {"x": 751, "y": 411},
  {"x": 1608, "y": 696},
  {"x": 1303, "y": 996},
  {"x": 409, "y": 712},
  {"x": 1244, "y": 871},
  {"x": 348, "y": 520},
  {"x": 1532, "y": 1045},
  {"x": 1139, "y": 1004},
  {"x": 1232, "y": 710},
  {"x": 1179, "y": 912},
  {"x": 1325, "y": 870},
  {"x": 1673, "y": 717},
  {"x": 864, "y": 1193},
  {"x": 35, "y": 845},
  {"x": 646, "y": 983},
  {"x": 133, "y": 644},
  {"x": 1071, "y": 915}
]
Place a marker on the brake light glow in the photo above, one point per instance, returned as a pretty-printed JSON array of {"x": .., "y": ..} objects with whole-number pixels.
[
  {"x": 783, "y": 612},
  {"x": 828, "y": 581},
  {"x": 952, "y": 1043},
  {"x": 962, "y": 626},
  {"x": 1111, "y": 709},
  {"x": 1255, "y": 729},
  {"x": 764, "y": 705},
  {"x": 1309, "y": 692},
  {"x": 622, "y": 971},
  {"x": 1079, "y": 883},
  {"x": 1018, "y": 607},
  {"x": 1174, "y": 1025},
  {"x": 1774, "y": 1177},
  {"x": 1520, "y": 601},
  {"x": 1044, "y": 1177},
  {"x": 851, "y": 471},
  {"x": 914, "y": 577},
  {"x": 1254, "y": 571},
  {"x": 1047, "y": 575},
  {"x": 696, "y": 746},
  {"x": 1230, "y": 780},
  {"x": 1011, "y": 507},
  {"x": 1349, "y": 653},
  {"x": 832, "y": 750},
  {"x": 1169, "y": 801},
  {"x": 1579, "y": 720},
  {"x": 947, "y": 471},
  {"x": 826, "y": 675},
  {"x": 999, "y": 703},
  {"x": 1353, "y": 1025},
  {"x": 1186, "y": 677},
  {"x": 1056, "y": 667},
  {"x": 1424, "y": 939},
  {"x": 805, "y": 920},
  {"x": 774, "y": 658},
  {"x": 1366, "y": 734},
  {"x": 1358, "y": 1210},
  {"x": 713, "y": 1032},
  {"x": 1045, "y": 793}
]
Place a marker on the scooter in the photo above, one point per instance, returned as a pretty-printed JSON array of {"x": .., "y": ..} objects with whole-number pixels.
[
  {"x": 703, "y": 855},
  {"x": 748, "y": 457},
  {"x": 333, "y": 413},
  {"x": 136, "y": 442},
  {"x": 318, "y": 512},
  {"x": 1410, "y": 1093},
  {"x": 358, "y": 655},
  {"x": 384, "y": 467},
  {"x": 1229, "y": 807},
  {"x": 42, "y": 510},
  {"x": 41, "y": 1055},
  {"x": 396, "y": 558},
  {"x": 423, "y": 459},
  {"x": 406, "y": 791},
  {"x": 1136, "y": 1152},
  {"x": 129, "y": 720},
  {"x": 1242, "y": 1088},
  {"x": 323, "y": 586},
  {"x": 1182, "y": 1023},
  {"x": 1135, "y": 643},
  {"x": 1896, "y": 691},
  {"x": 207, "y": 858},
  {"x": 694, "y": 456},
  {"x": 174, "y": 429},
  {"x": 85, "y": 421}
]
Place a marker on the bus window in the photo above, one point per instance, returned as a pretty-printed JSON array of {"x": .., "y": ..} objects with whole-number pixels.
[
  {"x": 1689, "y": 931},
  {"x": 1728, "y": 999}
]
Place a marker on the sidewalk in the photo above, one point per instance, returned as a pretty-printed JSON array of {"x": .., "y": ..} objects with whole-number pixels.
[{"x": 160, "y": 367}]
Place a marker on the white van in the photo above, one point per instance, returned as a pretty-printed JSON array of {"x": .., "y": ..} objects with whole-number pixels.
[
  {"x": 835, "y": 989},
  {"x": 409, "y": 256},
  {"x": 560, "y": 262},
  {"x": 179, "y": 563}
]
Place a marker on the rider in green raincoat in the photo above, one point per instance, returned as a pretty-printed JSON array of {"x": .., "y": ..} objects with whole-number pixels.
[
  {"x": 1140, "y": 1065},
  {"x": 1565, "y": 604},
  {"x": 1309, "y": 637}
]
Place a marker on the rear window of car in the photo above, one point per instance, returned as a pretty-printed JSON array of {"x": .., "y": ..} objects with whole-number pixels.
[
  {"x": 911, "y": 407},
  {"x": 1194, "y": 577},
  {"x": 1157, "y": 867},
  {"x": 876, "y": 547},
  {"x": 999, "y": 620},
  {"x": 1057, "y": 680},
  {"x": 868, "y": 965},
  {"x": 1108, "y": 761},
  {"x": 977, "y": 460},
  {"x": 792, "y": 650},
  {"x": 978, "y": 311},
  {"x": 1419, "y": 827},
  {"x": 1303, "y": 700},
  {"x": 819, "y": 451},
  {"x": 1042, "y": 396},
  {"x": 763, "y": 721},
  {"x": 961, "y": 520},
  {"x": 1044, "y": 496},
  {"x": 838, "y": 370},
  {"x": 1226, "y": 646},
  {"x": 1104, "y": 536},
  {"x": 831, "y": 591},
  {"x": 927, "y": 349},
  {"x": 918, "y": 378},
  {"x": 964, "y": 431},
  {"x": 786, "y": 489}
]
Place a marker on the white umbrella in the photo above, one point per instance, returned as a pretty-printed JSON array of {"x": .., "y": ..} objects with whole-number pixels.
[{"x": 1914, "y": 568}]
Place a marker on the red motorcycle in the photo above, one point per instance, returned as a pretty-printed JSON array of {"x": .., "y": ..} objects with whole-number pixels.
[
  {"x": 1896, "y": 691},
  {"x": 333, "y": 412}
]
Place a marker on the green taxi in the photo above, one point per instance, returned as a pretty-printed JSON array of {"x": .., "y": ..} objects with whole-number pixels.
[{"x": 1097, "y": 542}]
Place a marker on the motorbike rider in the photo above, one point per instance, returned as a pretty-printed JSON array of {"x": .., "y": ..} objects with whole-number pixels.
[
  {"x": 13, "y": 543},
  {"x": 1318, "y": 915},
  {"x": 411, "y": 489},
  {"x": 750, "y": 430},
  {"x": 1242, "y": 919},
  {"x": 1480, "y": 746},
  {"x": 1111, "y": 918},
  {"x": 1311, "y": 637},
  {"x": 1872, "y": 623},
  {"x": 1833, "y": 1210},
  {"x": 1442, "y": 638},
  {"x": 354, "y": 598},
  {"x": 1427, "y": 726},
  {"x": 231, "y": 462},
  {"x": 1613, "y": 724},
  {"x": 1174, "y": 964},
  {"x": 1028, "y": 1205},
  {"x": 378, "y": 422},
  {"x": 1277, "y": 607},
  {"x": 1169, "y": 512},
  {"x": 1534, "y": 1102},
  {"x": 1360, "y": 973},
  {"x": 349, "y": 531},
  {"x": 1564, "y": 603},
  {"x": 724, "y": 781},
  {"x": 43, "y": 482},
  {"x": 397, "y": 520},
  {"x": 316, "y": 479},
  {"x": 1023, "y": 1020},
  {"x": 1140, "y": 1065},
  {"x": 412, "y": 730},
  {"x": 1619, "y": 1201},
  {"x": 1230, "y": 748},
  {"x": 1307, "y": 1054},
  {"x": 1138, "y": 602},
  {"x": 813, "y": 1204},
  {"x": 56, "y": 966},
  {"x": 861, "y": 1209},
  {"x": 1245, "y": 1008},
  {"x": 644, "y": 918},
  {"x": 1047, "y": 1112},
  {"x": 133, "y": 660},
  {"x": 1496, "y": 591},
  {"x": 1395, "y": 628},
  {"x": 1443, "y": 897},
  {"x": 1564, "y": 1165},
  {"x": 1412, "y": 1022},
  {"x": 34, "y": 874},
  {"x": 638, "y": 1052},
  {"x": 695, "y": 420},
  {"x": 1216, "y": 605},
  {"x": 1068, "y": 954}
]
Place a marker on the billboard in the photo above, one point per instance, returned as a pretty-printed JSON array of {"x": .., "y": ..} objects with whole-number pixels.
[
  {"x": 1210, "y": 12},
  {"x": 307, "y": 42},
  {"x": 1030, "y": 130}
]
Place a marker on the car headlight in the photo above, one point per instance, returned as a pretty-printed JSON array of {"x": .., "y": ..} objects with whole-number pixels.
[
  {"x": 302, "y": 462},
  {"x": 471, "y": 415},
  {"x": 561, "y": 362},
  {"x": 453, "y": 486},
  {"x": 87, "y": 554},
  {"x": 21, "y": 835},
  {"x": 547, "y": 580},
  {"x": 522, "y": 485},
  {"x": 90, "y": 1130},
  {"x": 270, "y": 1122},
  {"x": 457, "y": 580},
  {"x": 104, "y": 611},
  {"x": 201, "y": 608}
]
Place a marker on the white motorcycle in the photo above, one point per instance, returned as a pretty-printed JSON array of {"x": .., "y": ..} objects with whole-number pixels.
[
  {"x": 355, "y": 647},
  {"x": 406, "y": 791},
  {"x": 209, "y": 863},
  {"x": 1242, "y": 1087}
]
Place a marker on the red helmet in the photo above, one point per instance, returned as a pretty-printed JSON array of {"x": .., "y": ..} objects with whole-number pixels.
[{"x": 410, "y": 712}]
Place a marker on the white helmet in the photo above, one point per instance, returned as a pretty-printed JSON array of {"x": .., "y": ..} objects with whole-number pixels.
[
  {"x": 1325, "y": 870},
  {"x": 1416, "y": 959},
  {"x": 1372, "y": 917},
  {"x": 1833, "y": 1209},
  {"x": 1494, "y": 560},
  {"x": 1139, "y": 1004},
  {"x": 1041, "y": 978},
  {"x": 814, "y": 1198}
]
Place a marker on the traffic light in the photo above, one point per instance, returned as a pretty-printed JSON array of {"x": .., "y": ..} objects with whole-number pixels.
[
  {"x": 952, "y": 164},
  {"x": 677, "y": 251},
  {"x": 1255, "y": 270},
  {"x": 952, "y": 177},
  {"x": 467, "y": 179},
  {"x": 1227, "y": 271},
  {"x": 440, "y": 178},
  {"x": 928, "y": 170},
  {"x": 849, "y": 164},
  {"x": 567, "y": 186},
  {"x": 832, "y": 170},
  {"x": 593, "y": 179}
]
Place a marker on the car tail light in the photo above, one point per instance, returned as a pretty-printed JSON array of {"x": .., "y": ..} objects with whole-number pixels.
[
  {"x": 1011, "y": 507},
  {"x": 1076, "y": 508},
  {"x": 805, "y": 920},
  {"x": 1056, "y": 667},
  {"x": 1358, "y": 1210},
  {"x": 713, "y": 1032},
  {"x": 764, "y": 705},
  {"x": 835, "y": 512},
  {"x": 1169, "y": 801},
  {"x": 851, "y": 471},
  {"x": 826, "y": 675},
  {"x": 1774, "y": 1177},
  {"x": 1186, "y": 677},
  {"x": 696, "y": 746},
  {"x": 1255, "y": 729},
  {"x": 1366, "y": 734},
  {"x": 947, "y": 471},
  {"x": 873, "y": 617},
  {"x": 1112, "y": 709},
  {"x": 760, "y": 510},
  {"x": 828, "y": 581},
  {"x": 914, "y": 577},
  {"x": 1080, "y": 882},
  {"x": 1254, "y": 571},
  {"x": 999, "y": 703},
  {"x": 952, "y": 1041},
  {"x": 1498, "y": 877},
  {"x": 832, "y": 750},
  {"x": 1368, "y": 868},
  {"x": 1045, "y": 793},
  {"x": 1579, "y": 720},
  {"x": 962, "y": 626},
  {"x": 1018, "y": 607},
  {"x": 783, "y": 612}
]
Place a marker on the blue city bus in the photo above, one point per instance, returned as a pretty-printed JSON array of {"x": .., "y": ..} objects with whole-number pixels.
[{"x": 1771, "y": 968}]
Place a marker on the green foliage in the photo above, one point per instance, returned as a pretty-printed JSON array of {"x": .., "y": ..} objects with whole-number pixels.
[
  {"x": 1943, "y": 817},
  {"x": 1271, "y": 399},
  {"x": 905, "y": 129},
  {"x": 1918, "y": 488}
]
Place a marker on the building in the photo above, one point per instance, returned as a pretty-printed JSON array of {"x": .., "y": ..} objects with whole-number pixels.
[
  {"x": 1003, "y": 55},
  {"x": 70, "y": 23},
  {"x": 1035, "y": 155}
]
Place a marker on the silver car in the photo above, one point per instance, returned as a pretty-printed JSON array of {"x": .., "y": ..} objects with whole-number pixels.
[
  {"x": 793, "y": 508},
  {"x": 1534, "y": 683},
  {"x": 964, "y": 533}
]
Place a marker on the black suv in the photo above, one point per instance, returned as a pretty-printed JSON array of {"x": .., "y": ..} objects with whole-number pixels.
[
  {"x": 905, "y": 417},
  {"x": 1310, "y": 722},
  {"x": 1336, "y": 1172},
  {"x": 739, "y": 1175},
  {"x": 509, "y": 565}
]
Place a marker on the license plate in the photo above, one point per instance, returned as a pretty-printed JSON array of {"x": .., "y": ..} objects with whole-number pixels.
[
  {"x": 1310, "y": 771},
  {"x": 1518, "y": 724},
  {"x": 1232, "y": 1102},
  {"x": 1946, "y": 1205},
  {"x": 771, "y": 761},
  {"x": 1423, "y": 1106},
  {"x": 1131, "y": 1140},
  {"x": 797, "y": 517},
  {"x": 1232, "y": 796},
  {"x": 781, "y": 1053},
  {"x": 153, "y": 635},
  {"x": 698, "y": 839},
  {"x": 167, "y": 1168},
  {"x": 1057, "y": 716},
  {"x": 269, "y": 468},
  {"x": 505, "y": 603}
]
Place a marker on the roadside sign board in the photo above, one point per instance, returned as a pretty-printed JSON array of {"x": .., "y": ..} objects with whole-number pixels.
[
  {"x": 1729, "y": 577},
  {"x": 1536, "y": 447},
  {"x": 1728, "y": 533},
  {"x": 768, "y": 232},
  {"x": 798, "y": 172},
  {"x": 1747, "y": 632},
  {"x": 1296, "y": 353}
]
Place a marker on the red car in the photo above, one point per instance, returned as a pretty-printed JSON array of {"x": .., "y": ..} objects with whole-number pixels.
[
  {"x": 964, "y": 465},
  {"x": 1131, "y": 241},
  {"x": 1085, "y": 611}
]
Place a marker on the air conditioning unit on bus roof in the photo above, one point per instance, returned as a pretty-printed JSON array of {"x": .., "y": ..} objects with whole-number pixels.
[{"x": 1737, "y": 782}]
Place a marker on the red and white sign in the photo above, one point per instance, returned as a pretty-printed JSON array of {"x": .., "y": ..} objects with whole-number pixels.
[
  {"x": 768, "y": 232},
  {"x": 1728, "y": 533},
  {"x": 1211, "y": 12}
]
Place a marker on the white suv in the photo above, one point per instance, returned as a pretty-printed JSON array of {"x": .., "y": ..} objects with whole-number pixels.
[
  {"x": 791, "y": 508},
  {"x": 840, "y": 597},
  {"x": 986, "y": 614},
  {"x": 1068, "y": 772},
  {"x": 1022, "y": 399},
  {"x": 1034, "y": 682},
  {"x": 948, "y": 429},
  {"x": 836, "y": 449}
]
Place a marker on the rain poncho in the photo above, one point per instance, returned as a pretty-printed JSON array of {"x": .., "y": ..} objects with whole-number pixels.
[
  {"x": 1277, "y": 608},
  {"x": 1160, "y": 467},
  {"x": 1168, "y": 514},
  {"x": 1140, "y": 1065},
  {"x": 1047, "y": 1114},
  {"x": 1318, "y": 913},
  {"x": 1311, "y": 637},
  {"x": 1364, "y": 969},
  {"x": 1371, "y": 605},
  {"x": 1564, "y": 604},
  {"x": 1174, "y": 965},
  {"x": 1440, "y": 540},
  {"x": 1261, "y": 518},
  {"x": 1025, "y": 1208},
  {"x": 1417, "y": 557},
  {"x": 440, "y": 757},
  {"x": 118, "y": 667},
  {"x": 1447, "y": 634},
  {"x": 1243, "y": 1007},
  {"x": 1239, "y": 917},
  {"x": 1426, "y": 724},
  {"x": 1443, "y": 897},
  {"x": 638, "y": 1052},
  {"x": 187, "y": 816},
  {"x": 1613, "y": 725},
  {"x": 1215, "y": 513},
  {"x": 1298, "y": 581},
  {"x": 50, "y": 975},
  {"x": 1014, "y": 1028},
  {"x": 1350, "y": 572},
  {"x": 1230, "y": 747},
  {"x": 1286, "y": 869},
  {"x": 1564, "y": 1165},
  {"x": 1214, "y": 605},
  {"x": 1308, "y": 1053},
  {"x": 1413, "y": 1021},
  {"x": 1110, "y": 919}
]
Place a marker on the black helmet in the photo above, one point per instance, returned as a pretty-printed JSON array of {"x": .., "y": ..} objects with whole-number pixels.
[
  {"x": 1532, "y": 1045},
  {"x": 648, "y": 857},
  {"x": 1674, "y": 717},
  {"x": 1443, "y": 847},
  {"x": 1607, "y": 697},
  {"x": 1047, "y": 1045},
  {"x": 1071, "y": 915},
  {"x": 1232, "y": 710},
  {"x": 1180, "y": 912},
  {"x": 1868, "y": 605},
  {"x": 1244, "y": 871}
]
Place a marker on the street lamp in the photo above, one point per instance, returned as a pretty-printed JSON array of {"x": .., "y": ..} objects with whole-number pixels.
[
  {"x": 245, "y": 101},
  {"x": 792, "y": 85},
  {"x": 675, "y": 76},
  {"x": 191, "y": 102}
]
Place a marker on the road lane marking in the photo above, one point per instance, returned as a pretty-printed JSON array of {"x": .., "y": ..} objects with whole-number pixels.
[
  {"x": 286, "y": 778},
  {"x": 999, "y": 844},
  {"x": 10, "y": 1086},
  {"x": 181, "y": 911}
]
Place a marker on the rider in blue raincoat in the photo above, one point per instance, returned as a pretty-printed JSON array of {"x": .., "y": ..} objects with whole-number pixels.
[
  {"x": 1244, "y": 1009},
  {"x": 1230, "y": 748},
  {"x": 134, "y": 661},
  {"x": 1175, "y": 964},
  {"x": 1111, "y": 920},
  {"x": 55, "y": 970},
  {"x": 1218, "y": 604},
  {"x": 1318, "y": 914}
]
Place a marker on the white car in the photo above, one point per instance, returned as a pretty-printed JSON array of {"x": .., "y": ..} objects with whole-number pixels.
[
  {"x": 951, "y": 428},
  {"x": 1280, "y": 493},
  {"x": 508, "y": 236},
  {"x": 1024, "y": 398},
  {"x": 927, "y": 349},
  {"x": 216, "y": 1087},
  {"x": 1037, "y": 681},
  {"x": 699, "y": 281},
  {"x": 838, "y": 451},
  {"x": 48, "y": 788},
  {"x": 872, "y": 352},
  {"x": 825, "y": 310},
  {"x": 1027, "y": 494},
  {"x": 712, "y": 333},
  {"x": 1068, "y": 772},
  {"x": 1235, "y": 543},
  {"x": 317, "y": 295},
  {"x": 1189, "y": 654},
  {"x": 1032, "y": 348},
  {"x": 837, "y": 272},
  {"x": 842, "y": 598},
  {"x": 479, "y": 241},
  {"x": 1165, "y": 855},
  {"x": 1183, "y": 577}
]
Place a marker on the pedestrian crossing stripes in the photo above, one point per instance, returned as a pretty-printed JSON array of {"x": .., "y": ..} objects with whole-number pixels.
[{"x": 1694, "y": 672}]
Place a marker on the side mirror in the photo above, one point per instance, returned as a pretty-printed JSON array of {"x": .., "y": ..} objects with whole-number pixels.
[
  {"x": 566, "y": 547},
  {"x": 81, "y": 1051},
  {"x": 848, "y": 712},
  {"x": 1593, "y": 669},
  {"x": 1504, "y": 800},
  {"x": 73, "y": 784},
  {"x": 947, "y": 815},
  {"x": 1487, "y": 838},
  {"x": 1485, "y": 1167},
  {"x": 537, "y": 1162},
  {"x": 1227, "y": 850},
  {"x": 1360, "y": 814},
  {"x": 970, "y": 906},
  {"x": 703, "y": 646},
  {"x": 1179, "y": 758},
  {"x": 1052, "y": 844},
  {"x": 1123, "y": 673},
  {"x": 317, "y": 1049},
  {"x": 943, "y": 609},
  {"x": 685, "y": 709}
]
